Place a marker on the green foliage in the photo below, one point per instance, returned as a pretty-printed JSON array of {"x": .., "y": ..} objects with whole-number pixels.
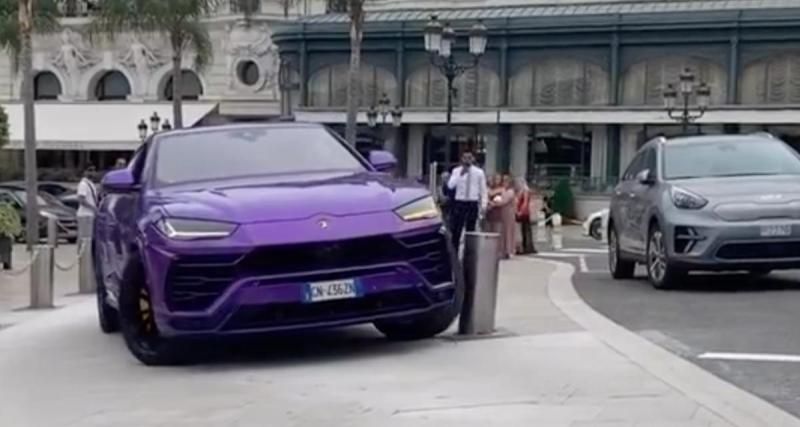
[
  {"x": 45, "y": 20},
  {"x": 3, "y": 127},
  {"x": 10, "y": 224},
  {"x": 563, "y": 199},
  {"x": 178, "y": 20}
]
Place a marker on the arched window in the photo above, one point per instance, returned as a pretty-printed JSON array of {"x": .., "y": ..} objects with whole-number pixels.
[
  {"x": 46, "y": 86},
  {"x": 328, "y": 86},
  {"x": 478, "y": 87},
  {"x": 772, "y": 80},
  {"x": 112, "y": 86},
  {"x": 192, "y": 88},
  {"x": 644, "y": 82},
  {"x": 559, "y": 81}
]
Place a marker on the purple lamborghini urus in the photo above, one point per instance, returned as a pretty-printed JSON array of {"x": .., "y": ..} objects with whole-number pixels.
[{"x": 263, "y": 228}]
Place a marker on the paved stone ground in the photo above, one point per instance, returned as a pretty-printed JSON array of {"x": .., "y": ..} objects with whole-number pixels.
[
  {"x": 543, "y": 370},
  {"x": 15, "y": 290}
]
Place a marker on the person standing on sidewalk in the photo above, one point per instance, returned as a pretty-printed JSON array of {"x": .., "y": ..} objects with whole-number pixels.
[
  {"x": 524, "y": 217},
  {"x": 469, "y": 183},
  {"x": 87, "y": 200}
]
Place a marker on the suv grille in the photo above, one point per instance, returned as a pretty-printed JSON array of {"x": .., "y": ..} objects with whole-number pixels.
[
  {"x": 772, "y": 250},
  {"x": 195, "y": 282}
]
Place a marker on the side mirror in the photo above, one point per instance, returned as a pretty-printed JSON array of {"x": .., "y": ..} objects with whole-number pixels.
[
  {"x": 382, "y": 161},
  {"x": 119, "y": 181},
  {"x": 645, "y": 177}
]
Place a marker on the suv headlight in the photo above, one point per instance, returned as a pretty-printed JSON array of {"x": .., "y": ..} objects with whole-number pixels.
[
  {"x": 193, "y": 229},
  {"x": 685, "y": 199},
  {"x": 420, "y": 209}
]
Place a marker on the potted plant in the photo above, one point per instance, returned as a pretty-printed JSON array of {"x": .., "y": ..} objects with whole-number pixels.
[{"x": 10, "y": 227}]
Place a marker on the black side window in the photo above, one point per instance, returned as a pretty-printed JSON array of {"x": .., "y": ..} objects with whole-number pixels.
[
  {"x": 137, "y": 163},
  {"x": 635, "y": 167},
  {"x": 649, "y": 160}
]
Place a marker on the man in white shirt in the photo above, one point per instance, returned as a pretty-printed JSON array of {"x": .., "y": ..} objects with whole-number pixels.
[
  {"x": 469, "y": 183},
  {"x": 87, "y": 201}
]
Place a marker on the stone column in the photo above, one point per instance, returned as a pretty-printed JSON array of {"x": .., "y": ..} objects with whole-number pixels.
[
  {"x": 416, "y": 145},
  {"x": 519, "y": 150},
  {"x": 599, "y": 151}
]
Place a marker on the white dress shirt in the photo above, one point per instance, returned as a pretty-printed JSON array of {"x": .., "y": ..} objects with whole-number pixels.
[
  {"x": 87, "y": 190},
  {"x": 470, "y": 186}
]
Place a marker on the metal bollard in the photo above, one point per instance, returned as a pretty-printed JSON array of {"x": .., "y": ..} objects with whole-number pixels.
[
  {"x": 433, "y": 179},
  {"x": 481, "y": 268},
  {"x": 86, "y": 278},
  {"x": 52, "y": 231},
  {"x": 41, "y": 277}
]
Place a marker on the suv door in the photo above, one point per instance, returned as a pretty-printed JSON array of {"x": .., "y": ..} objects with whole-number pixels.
[
  {"x": 639, "y": 201},
  {"x": 620, "y": 204}
]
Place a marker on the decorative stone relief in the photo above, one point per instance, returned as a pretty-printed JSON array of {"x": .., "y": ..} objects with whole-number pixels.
[
  {"x": 143, "y": 61},
  {"x": 252, "y": 42},
  {"x": 72, "y": 59}
]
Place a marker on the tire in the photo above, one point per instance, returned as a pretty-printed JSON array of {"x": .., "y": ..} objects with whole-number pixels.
[
  {"x": 432, "y": 323},
  {"x": 620, "y": 268},
  {"x": 138, "y": 324},
  {"x": 107, "y": 316},
  {"x": 594, "y": 229},
  {"x": 660, "y": 271}
]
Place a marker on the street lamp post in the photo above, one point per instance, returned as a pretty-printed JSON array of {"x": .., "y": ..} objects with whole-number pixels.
[
  {"x": 155, "y": 124},
  {"x": 384, "y": 110},
  {"x": 687, "y": 88},
  {"x": 439, "y": 43}
]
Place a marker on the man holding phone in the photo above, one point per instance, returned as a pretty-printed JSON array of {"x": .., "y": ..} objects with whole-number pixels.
[{"x": 469, "y": 183}]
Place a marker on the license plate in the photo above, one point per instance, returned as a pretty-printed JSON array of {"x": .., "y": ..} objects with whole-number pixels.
[
  {"x": 776, "y": 230},
  {"x": 331, "y": 290}
]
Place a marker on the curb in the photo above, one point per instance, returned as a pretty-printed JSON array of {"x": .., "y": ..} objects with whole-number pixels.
[{"x": 729, "y": 402}]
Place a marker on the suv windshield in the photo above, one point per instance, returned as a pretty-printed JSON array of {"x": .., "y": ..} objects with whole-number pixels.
[
  {"x": 729, "y": 158},
  {"x": 231, "y": 153}
]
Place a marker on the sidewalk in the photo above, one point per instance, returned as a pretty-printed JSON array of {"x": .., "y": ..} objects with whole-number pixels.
[
  {"x": 554, "y": 363},
  {"x": 15, "y": 290}
]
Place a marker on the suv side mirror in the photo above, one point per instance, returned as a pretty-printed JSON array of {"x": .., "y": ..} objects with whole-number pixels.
[
  {"x": 382, "y": 161},
  {"x": 645, "y": 177},
  {"x": 120, "y": 181}
]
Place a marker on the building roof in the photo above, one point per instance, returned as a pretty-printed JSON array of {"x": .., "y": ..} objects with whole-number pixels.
[{"x": 562, "y": 10}]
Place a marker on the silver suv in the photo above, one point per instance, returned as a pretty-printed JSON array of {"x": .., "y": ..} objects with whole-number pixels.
[{"x": 708, "y": 203}]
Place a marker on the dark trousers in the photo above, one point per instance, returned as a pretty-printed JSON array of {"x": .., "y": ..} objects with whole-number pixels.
[
  {"x": 463, "y": 215},
  {"x": 527, "y": 236}
]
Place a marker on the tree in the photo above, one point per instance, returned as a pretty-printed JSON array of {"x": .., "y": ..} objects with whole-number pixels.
[
  {"x": 18, "y": 22},
  {"x": 355, "y": 10},
  {"x": 177, "y": 20},
  {"x": 287, "y": 6}
]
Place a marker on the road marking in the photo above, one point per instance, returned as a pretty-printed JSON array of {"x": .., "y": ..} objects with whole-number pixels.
[
  {"x": 555, "y": 255},
  {"x": 584, "y": 266},
  {"x": 586, "y": 250},
  {"x": 752, "y": 357}
]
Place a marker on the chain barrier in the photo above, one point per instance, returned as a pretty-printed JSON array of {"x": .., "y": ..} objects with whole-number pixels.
[
  {"x": 75, "y": 263},
  {"x": 20, "y": 271}
]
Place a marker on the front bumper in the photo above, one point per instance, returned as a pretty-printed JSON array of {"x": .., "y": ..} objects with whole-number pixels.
[
  {"x": 216, "y": 291},
  {"x": 729, "y": 246}
]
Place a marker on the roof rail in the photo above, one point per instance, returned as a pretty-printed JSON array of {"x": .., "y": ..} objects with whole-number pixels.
[
  {"x": 660, "y": 138},
  {"x": 765, "y": 134}
]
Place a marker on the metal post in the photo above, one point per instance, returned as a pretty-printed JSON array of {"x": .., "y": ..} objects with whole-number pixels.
[
  {"x": 52, "y": 231},
  {"x": 42, "y": 277},
  {"x": 481, "y": 268},
  {"x": 433, "y": 178}
]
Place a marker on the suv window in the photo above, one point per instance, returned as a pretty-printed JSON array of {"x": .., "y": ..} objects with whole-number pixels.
[{"x": 644, "y": 160}]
